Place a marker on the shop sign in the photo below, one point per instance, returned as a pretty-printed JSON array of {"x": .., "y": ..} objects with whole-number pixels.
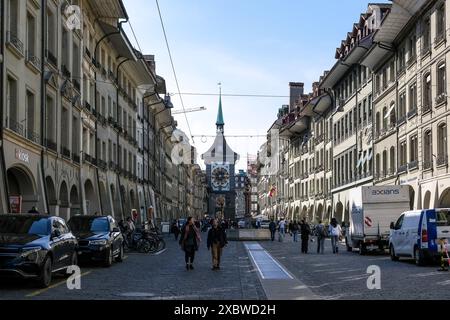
[
  {"x": 15, "y": 203},
  {"x": 22, "y": 156}
]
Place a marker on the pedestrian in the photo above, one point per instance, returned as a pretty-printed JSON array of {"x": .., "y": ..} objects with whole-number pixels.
[
  {"x": 217, "y": 240},
  {"x": 304, "y": 232},
  {"x": 189, "y": 241},
  {"x": 281, "y": 230},
  {"x": 272, "y": 228},
  {"x": 321, "y": 233},
  {"x": 295, "y": 228},
  {"x": 335, "y": 232},
  {"x": 290, "y": 228},
  {"x": 131, "y": 226},
  {"x": 175, "y": 230},
  {"x": 33, "y": 210}
]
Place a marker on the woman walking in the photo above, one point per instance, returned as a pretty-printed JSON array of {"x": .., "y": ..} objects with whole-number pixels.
[
  {"x": 335, "y": 232},
  {"x": 189, "y": 241},
  {"x": 217, "y": 240}
]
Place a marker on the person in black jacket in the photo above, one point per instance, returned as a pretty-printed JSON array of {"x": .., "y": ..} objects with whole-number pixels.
[
  {"x": 305, "y": 231},
  {"x": 217, "y": 240},
  {"x": 189, "y": 241},
  {"x": 272, "y": 228}
]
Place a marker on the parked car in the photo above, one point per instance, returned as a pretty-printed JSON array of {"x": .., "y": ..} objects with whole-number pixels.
[
  {"x": 35, "y": 247},
  {"x": 416, "y": 234},
  {"x": 265, "y": 224},
  {"x": 99, "y": 238}
]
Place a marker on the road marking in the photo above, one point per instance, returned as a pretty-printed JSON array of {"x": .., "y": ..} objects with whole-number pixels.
[{"x": 38, "y": 292}]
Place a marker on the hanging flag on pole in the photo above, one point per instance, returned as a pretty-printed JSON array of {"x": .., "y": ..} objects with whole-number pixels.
[{"x": 272, "y": 191}]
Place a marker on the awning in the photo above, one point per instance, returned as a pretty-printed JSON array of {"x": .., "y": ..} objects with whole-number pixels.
[
  {"x": 119, "y": 41},
  {"x": 323, "y": 104},
  {"x": 109, "y": 9},
  {"x": 295, "y": 128}
]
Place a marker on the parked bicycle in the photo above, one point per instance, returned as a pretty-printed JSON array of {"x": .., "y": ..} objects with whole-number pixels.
[{"x": 144, "y": 241}]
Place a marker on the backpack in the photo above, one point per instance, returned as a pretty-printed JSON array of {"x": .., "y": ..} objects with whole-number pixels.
[{"x": 322, "y": 231}]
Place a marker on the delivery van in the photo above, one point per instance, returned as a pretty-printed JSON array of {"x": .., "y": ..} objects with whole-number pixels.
[
  {"x": 372, "y": 209},
  {"x": 419, "y": 234}
]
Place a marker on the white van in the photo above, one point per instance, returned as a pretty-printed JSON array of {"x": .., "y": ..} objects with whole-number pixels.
[{"x": 417, "y": 234}]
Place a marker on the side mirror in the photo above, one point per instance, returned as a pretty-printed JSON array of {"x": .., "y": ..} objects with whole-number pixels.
[
  {"x": 56, "y": 233},
  {"x": 115, "y": 229},
  {"x": 392, "y": 226}
]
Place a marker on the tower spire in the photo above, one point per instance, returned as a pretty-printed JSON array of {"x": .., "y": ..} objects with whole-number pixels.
[{"x": 220, "y": 123}]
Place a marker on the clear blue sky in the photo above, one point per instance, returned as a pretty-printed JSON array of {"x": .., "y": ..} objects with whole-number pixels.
[{"x": 250, "y": 46}]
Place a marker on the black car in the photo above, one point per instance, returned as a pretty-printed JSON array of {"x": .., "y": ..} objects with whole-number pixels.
[
  {"x": 35, "y": 246},
  {"x": 99, "y": 238}
]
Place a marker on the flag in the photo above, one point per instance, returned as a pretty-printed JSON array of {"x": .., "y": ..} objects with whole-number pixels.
[{"x": 272, "y": 191}]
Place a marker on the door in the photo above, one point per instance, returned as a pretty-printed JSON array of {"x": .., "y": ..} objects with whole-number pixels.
[
  {"x": 411, "y": 228},
  {"x": 397, "y": 235},
  {"x": 57, "y": 243}
]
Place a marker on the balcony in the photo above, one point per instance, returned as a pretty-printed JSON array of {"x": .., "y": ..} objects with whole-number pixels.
[
  {"x": 102, "y": 165},
  {"x": 52, "y": 59},
  {"x": 413, "y": 165},
  {"x": 427, "y": 165},
  {"x": 66, "y": 73},
  {"x": 319, "y": 169},
  {"x": 87, "y": 106},
  {"x": 304, "y": 175},
  {"x": 441, "y": 98},
  {"x": 51, "y": 145},
  {"x": 65, "y": 152},
  {"x": 76, "y": 85},
  {"x": 319, "y": 139},
  {"x": 402, "y": 168},
  {"x": 16, "y": 127},
  {"x": 75, "y": 157},
  {"x": 112, "y": 166},
  {"x": 33, "y": 136},
  {"x": 411, "y": 60},
  {"x": 440, "y": 37},
  {"x": 442, "y": 160},
  {"x": 426, "y": 108},
  {"x": 87, "y": 52},
  {"x": 426, "y": 49},
  {"x": 33, "y": 61},
  {"x": 401, "y": 120},
  {"x": 13, "y": 42},
  {"x": 412, "y": 112}
]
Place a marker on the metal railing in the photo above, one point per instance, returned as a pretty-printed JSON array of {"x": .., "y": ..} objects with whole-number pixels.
[
  {"x": 51, "y": 58},
  {"x": 16, "y": 126},
  {"x": 442, "y": 159},
  {"x": 13, "y": 40}
]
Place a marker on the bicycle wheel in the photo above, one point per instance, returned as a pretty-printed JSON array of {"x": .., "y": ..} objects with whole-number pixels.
[
  {"x": 161, "y": 244},
  {"x": 144, "y": 246}
]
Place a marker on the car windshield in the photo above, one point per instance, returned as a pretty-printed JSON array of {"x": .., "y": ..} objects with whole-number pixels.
[
  {"x": 89, "y": 224},
  {"x": 443, "y": 218},
  {"x": 24, "y": 225}
]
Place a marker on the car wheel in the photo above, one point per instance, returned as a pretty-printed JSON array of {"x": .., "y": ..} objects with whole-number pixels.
[
  {"x": 418, "y": 257},
  {"x": 362, "y": 249},
  {"x": 109, "y": 259},
  {"x": 121, "y": 254},
  {"x": 45, "y": 277},
  {"x": 392, "y": 253}
]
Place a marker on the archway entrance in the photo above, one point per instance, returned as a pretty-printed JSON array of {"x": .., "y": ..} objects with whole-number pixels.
[
  {"x": 21, "y": 184},
  {"x": 64, "y": 201},
  {"x": 297, "y": 213},
  {"x": 444, "y": 201},
  {"x": 339, "y": 211},
  {"x": 427, "y": 200},
  {"x": 329, "y": 213},
  {"x": 319, "y": 213},
  {"x": 91, "y": 198},
  {"x": 74, "y": 202}
]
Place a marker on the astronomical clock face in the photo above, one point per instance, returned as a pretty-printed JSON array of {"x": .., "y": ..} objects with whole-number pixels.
[{"x": 220, "y": 177}]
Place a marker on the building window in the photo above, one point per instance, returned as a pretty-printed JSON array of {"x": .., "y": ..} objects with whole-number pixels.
[
  {"x": 377, "y": 124},
  {"x": 76, "y": 65},
  {"x": 75, "y": 136},
  {"x": 426, "y": 35},
  {"x": 385, "y": 164},
  {"x": 392, "y": 71},
  {"x": 403, "y": 154},
  {"x": 440, "y": 23},
  {"x": 441, "y": 84},
  {"x": 427, "y": 92},
  {"x": 442, "y": 144},
  {"x": 31, "y": 38},
  {"x": 31, "y": 135},
  {"x": 378, "y": 165},
  {"x": 14, "y": 18},
  {"x": 50, "y": 119},
  {"x": 412, "y": 99},
  {"x": 427, "y": 150},
  {"x": 413, "y": 151},
  {"x": 402, "y": 107},
  {"x": 11, "y": 105},
  {"x": 65, "y": 51},
  {"x": 51, "y": 35},
  {"x": 392, "y": 160}
]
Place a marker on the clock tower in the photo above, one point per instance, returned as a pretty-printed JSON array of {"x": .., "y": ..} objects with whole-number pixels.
[{"x": 220, "y": 162}]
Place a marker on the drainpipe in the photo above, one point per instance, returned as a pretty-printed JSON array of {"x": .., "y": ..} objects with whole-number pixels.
[
  {"x": 2, "y": 151},
  {"x": 119, "y": 29},
  {"x": 43, "y": 99}
]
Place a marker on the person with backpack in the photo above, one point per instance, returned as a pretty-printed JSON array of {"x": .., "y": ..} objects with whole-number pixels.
[
  {"x": 335, "y": 232},
  {"x": 305, "y": 231},
  {"x": 321, "y": 233},
  {"x": 295, "y": 228}
]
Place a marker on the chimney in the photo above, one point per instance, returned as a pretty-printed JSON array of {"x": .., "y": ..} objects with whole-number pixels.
[{"x": 296, "y": 91}]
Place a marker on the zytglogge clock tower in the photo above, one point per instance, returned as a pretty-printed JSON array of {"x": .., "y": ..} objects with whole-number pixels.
[{"x": 220, "y": 163}]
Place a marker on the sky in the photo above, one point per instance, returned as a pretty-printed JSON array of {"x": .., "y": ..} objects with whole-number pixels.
[{"x": 250, "y": 47}]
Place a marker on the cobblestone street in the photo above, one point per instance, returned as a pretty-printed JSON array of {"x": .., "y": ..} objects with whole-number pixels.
[{"x": 163, "y": 276}]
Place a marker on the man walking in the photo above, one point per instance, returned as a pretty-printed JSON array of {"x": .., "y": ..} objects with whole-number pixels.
[
  {"x": 294, "y": 228},
  {"x": 217, "y": 240},
  {"x": 281, "y": 230},
  {"x": 321, "y": 233},
  {"x": 305, "y": 231},
  {"x": 272, "y": 228}
]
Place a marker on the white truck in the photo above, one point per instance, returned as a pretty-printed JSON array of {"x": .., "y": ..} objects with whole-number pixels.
[{"x": 372, "y": 209}]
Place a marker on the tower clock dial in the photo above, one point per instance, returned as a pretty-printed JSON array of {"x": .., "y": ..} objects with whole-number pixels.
[{"x": 220, "y": 177}]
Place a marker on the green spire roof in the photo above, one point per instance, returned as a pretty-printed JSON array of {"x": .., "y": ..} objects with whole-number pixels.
[{"x": 220, "y": 121}]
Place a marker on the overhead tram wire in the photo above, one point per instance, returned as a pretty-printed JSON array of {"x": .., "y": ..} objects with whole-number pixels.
[
  {"x": 233, "y": 95},
  {"x": 174, "y": 72}
]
